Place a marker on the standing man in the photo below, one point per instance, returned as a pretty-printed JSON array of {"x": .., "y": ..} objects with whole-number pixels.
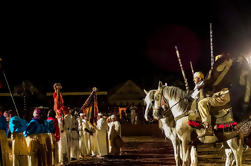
[
  {"x": 114, "y": 136},
  {"x": 37, "y": 152},
  {"x": 3, "y": 141},
  {"x": 19, "y": 145},
  {"x": 74, "y": 149},
  {"x": 53, "y": 134},
  {"x": 62, "y": 143},
  {"x": 67, "y": 127},
  {"x": 84, "y": 139},
  {"x": 133, "y": 114},
  {"x": 93, "y": 140},
  {"x": 101, "y": 130},
  {"x": 81, "y": 136}
]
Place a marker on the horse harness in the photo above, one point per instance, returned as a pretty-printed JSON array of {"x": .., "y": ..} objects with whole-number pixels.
[{"x": 164, "y": 102}]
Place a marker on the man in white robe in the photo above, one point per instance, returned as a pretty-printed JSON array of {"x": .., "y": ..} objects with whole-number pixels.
[
  {"x": 114, "y": 136},
  {"x": 68, "y": 126},
  {"x": 133, "y": 115},
  {"x": 101, "y": 131},
  {"x": 109, "y": 123},
  {"x": 62, "y": 143},
  {"x": 84, "y": 136},
  {"x": 74, "y": 149},
  {"x": 93, "y": 140}
]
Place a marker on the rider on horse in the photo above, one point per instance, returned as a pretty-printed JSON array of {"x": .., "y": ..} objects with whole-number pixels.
[
  {"x": 198, "y": 79},
  {"x": 218, "y": 85}
]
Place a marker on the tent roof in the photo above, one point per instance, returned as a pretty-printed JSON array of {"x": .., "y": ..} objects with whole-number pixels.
[{"x": 127, "y": 93}]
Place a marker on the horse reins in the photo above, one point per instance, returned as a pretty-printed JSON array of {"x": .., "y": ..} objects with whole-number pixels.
[{"x": 167, "y": 111}]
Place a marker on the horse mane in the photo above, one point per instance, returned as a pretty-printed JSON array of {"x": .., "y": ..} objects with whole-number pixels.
[
  {"x": 177, "y": 94},
  {"x": 150, "y": 95}
]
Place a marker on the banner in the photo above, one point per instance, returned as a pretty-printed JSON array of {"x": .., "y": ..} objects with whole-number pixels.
[
  {"x": 58, "y": 100},
  {"x": 90, "y": 107}
]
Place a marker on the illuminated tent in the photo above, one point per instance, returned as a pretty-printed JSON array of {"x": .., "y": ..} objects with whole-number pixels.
[{"x": 127, "y": 94}]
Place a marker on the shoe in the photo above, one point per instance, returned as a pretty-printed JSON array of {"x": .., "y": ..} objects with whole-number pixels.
[{"x": 208, "y": 131}]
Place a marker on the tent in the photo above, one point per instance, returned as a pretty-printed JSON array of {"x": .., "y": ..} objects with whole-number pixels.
[{"x": 126, "y": 94}]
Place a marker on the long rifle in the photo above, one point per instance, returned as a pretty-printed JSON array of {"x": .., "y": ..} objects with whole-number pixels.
[
  {"x": 12, "y": 98},
  {"x": 191, "y": 66},
  {"x": 211, "y": 46},
  {"x": 182, "y": 70}
]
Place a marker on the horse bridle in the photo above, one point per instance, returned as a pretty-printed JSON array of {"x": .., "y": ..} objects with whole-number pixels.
[{"x": 164, "y": 102}]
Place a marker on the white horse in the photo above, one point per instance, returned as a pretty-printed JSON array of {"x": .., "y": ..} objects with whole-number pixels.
[
  {"x": 168, "y": 126},
  {"x": 174, "y": 98}
]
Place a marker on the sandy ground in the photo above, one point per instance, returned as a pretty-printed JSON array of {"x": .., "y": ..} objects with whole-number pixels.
[{"x": 148, "y": 151}]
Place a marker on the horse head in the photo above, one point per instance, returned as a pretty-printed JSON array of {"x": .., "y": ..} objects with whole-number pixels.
[
  {"x": 149, "y": 100},
  {"x": 160, "y": 104}
]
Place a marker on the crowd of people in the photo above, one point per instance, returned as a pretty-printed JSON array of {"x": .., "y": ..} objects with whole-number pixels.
[{"x": 51, "y": 140}]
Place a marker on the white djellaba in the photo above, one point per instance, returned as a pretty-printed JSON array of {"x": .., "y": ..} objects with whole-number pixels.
[
  {"x": 62, "y": 144},
  {"x": 84, "y": 136},
  {"x": 101, "y": 130},
  {"x": 114, "y": 136},
  {"x": 74, "y": 149}
]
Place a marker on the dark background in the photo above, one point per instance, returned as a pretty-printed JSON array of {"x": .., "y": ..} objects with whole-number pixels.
[{"x": 102, "y": 45}]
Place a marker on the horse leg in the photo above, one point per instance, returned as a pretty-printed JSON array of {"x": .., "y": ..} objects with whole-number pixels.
[
  {"x": 176, "y": 150},
  {"x": 237, "y": 149},
  {"x": 194, "y": 157},
  {"x": 180, "y": 150},
  {"x": 186, "y": 153},
  {"x": 229, "y": 157}
]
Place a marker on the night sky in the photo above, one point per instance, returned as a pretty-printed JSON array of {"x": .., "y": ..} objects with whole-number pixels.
[{"x": 103, "y": 46}]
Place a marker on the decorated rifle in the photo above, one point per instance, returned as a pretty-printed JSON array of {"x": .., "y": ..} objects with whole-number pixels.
[
  {"x": 182, "y": 70},
  {"x": 12, "y": 98},
  {"x": 191, "y": 66},
  {"x": 211, "y": 46}
]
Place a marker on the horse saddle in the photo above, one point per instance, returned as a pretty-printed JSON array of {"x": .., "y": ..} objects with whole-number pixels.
[{"x": 221, "y": 117}]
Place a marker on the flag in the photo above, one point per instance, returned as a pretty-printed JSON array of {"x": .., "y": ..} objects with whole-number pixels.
[
  {"x": 58, "y": 100},
  {"x": 90, "y": 107}
]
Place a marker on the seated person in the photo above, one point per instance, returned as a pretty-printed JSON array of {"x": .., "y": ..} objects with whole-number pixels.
[{"x": 217, "y": 82}]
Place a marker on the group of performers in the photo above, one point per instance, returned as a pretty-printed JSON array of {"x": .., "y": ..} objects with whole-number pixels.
[
  {"x": 62, "y": 135},
  {"x": 58, "y": 136}
]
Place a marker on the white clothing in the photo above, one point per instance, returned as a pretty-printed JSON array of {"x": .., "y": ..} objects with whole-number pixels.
[
  {"x": 74, "y": 149},
  {"x": 84, "y": 140},
  {"x": 133, "y": 116},
  {"x": 67, "y": 128},
  {"x": 101, "y": 130},
  {"x": 113, "y": 134},
  {"x": 94, "y": 141},
  {"x": 195, "y": 94},
  {"x": 62, "y": 144}
]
